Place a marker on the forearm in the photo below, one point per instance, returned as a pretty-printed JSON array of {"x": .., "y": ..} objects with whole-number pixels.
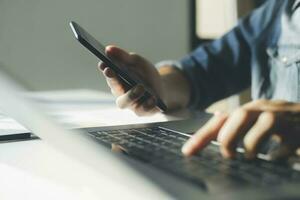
[{"x": 176, "y": 88}]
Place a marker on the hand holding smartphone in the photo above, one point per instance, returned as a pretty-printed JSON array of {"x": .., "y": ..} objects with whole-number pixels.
[{"x": 98, "y": 50}]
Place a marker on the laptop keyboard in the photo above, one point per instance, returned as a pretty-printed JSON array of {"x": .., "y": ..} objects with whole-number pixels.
[{"x": 161, "y": 148}]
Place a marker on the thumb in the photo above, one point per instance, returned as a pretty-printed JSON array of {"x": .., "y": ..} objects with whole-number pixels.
[
  {"x": 282, "y": 152},
  {"x": 117, "y": 54}
]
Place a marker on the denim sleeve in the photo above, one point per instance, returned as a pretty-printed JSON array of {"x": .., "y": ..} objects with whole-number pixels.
[{"x": 223, "y": 67}]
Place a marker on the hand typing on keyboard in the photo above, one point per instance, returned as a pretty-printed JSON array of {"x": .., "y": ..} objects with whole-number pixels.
[{"x": 253, "y": 123}]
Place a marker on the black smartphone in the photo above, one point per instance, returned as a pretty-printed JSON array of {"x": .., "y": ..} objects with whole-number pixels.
[{"x": 98, "y": 50}]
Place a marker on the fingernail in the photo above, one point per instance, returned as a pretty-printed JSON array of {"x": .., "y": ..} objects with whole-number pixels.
[
  {"x": 108, "y": 48},
  {"x": 108, "y": 73},
  {"x": 187, "y": 149},
  {"x": 217, "y": 113},
  {"x": 226, "y": 154},
  {"x": 137, "y": 91}
]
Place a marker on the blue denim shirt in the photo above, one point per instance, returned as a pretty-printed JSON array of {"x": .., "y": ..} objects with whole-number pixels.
[{"x": 262, "y": 51}]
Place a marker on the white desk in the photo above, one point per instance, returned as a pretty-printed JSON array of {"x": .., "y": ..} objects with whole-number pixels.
[{"x": 33, "y": 170}]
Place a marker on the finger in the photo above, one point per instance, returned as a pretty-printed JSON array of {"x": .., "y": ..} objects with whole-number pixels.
[
  {"x": 284, "y": 145},
  {"x": 263, "y": 128},
  {"x": 237, "y": 124},
  {"x": 274, "y": 105},
  {"x": 118, "y": 149},
  {"x": 257, "y": 104},
  {"x": 136, "y": 59},
  {"x": 109, "y": 73},
  {"x": 205, "y": 135},
  {"x": 101, "y": 66},
  {"x": 130, "y": 97},
  {"x": 282, "y": 152},
  {"x": 116, "y": 86},
  {"x": 118, "y": 54},
  {"x": 142, "y": 113},
  {"x": 146, "y": 108}
]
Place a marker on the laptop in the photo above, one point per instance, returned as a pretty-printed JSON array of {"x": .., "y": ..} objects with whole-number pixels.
[{"x": 150, "y": 162}]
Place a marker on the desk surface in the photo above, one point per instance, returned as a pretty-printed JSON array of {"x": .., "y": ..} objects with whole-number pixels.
[{"x": 83, "y": 108}]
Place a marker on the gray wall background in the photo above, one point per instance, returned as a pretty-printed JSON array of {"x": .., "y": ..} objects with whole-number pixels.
[{"x": 38, "y": 49}]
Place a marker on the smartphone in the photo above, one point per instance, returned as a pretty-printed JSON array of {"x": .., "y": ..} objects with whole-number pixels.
[{"x": 129, "y": 80}]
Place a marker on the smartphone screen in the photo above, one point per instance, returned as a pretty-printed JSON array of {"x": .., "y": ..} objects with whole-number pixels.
[{"x": 98, "y": 50}]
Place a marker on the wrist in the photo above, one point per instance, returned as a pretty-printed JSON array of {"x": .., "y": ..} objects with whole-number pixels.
[{"x": 175, "y": 87}]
